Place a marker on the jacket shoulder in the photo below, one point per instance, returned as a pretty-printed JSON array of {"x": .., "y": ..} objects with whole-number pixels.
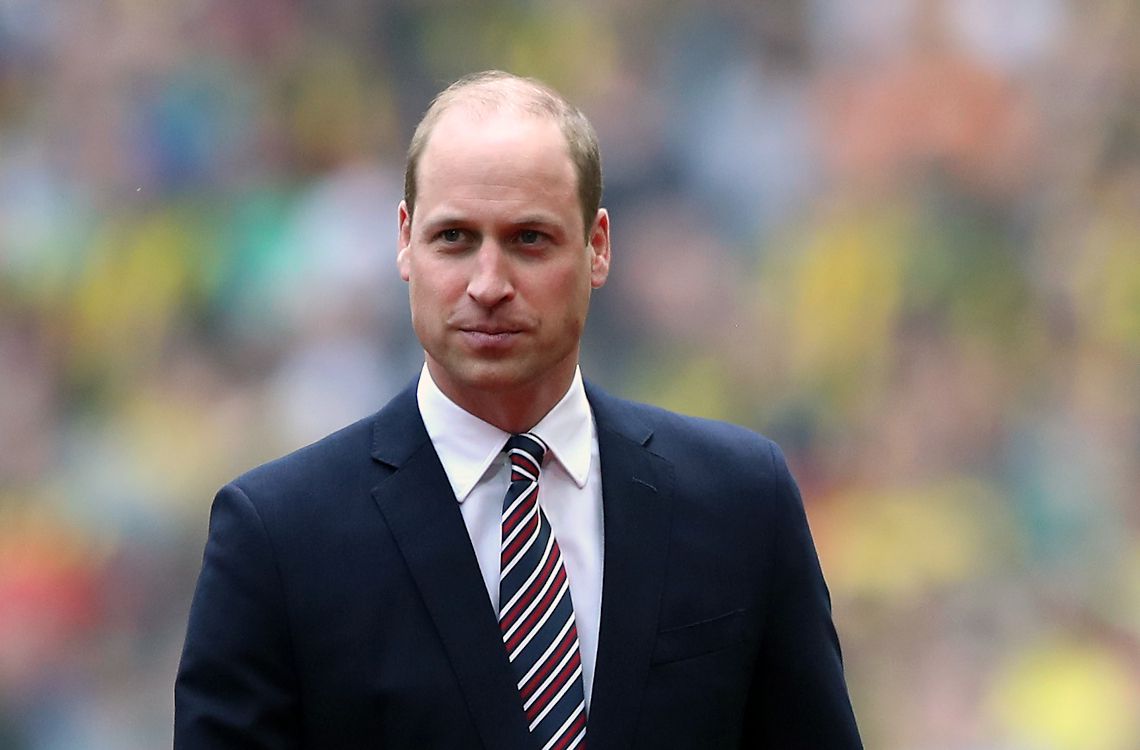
[
  {"x": 680, "y": 437},
  {"x": 331, "y": 455},
  {"x": 353, "y": 454}
]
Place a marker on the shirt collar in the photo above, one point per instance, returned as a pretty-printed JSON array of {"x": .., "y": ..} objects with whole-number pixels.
[{"x": 467, "y": 446}]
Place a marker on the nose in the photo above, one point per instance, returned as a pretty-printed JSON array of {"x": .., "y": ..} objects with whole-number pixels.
[{"x": 490, "y": 283}]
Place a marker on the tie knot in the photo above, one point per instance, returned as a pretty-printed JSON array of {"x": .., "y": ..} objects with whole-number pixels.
[{"x": 526, "y": 450}]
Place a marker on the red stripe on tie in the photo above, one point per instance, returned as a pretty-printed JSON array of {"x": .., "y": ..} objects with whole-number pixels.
[
  {"x": 539, "y": 611},
  {"x": 524, "y": 462},
  {"x": 526, "y": 506},
  {"x": 555, "y": 685},
  {"x": 571, "y": 734},
  {"x": 523, "y": 535},
  {"x": 535, "y": 586},
  {"x": 532, "y": 684}
]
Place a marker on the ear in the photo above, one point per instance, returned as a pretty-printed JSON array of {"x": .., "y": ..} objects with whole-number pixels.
[
  {"x": 404, "y": 241},
  {"x": 599, "y": 243}
]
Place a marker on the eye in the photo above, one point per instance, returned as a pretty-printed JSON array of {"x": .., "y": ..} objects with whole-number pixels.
[
  {"x": 451, "y": 235},
  {"x": 530, "y": 237}
]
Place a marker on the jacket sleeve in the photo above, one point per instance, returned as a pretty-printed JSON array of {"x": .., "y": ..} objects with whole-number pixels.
[
  {"x": 798, "y": 699},
  {"x": 236, "y": 685}
]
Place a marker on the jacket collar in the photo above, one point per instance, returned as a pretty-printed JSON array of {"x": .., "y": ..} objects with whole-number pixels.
[{"x": 637, "y": 492}]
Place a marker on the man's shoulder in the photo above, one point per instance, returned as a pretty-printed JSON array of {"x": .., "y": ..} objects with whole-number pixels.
[
  {"x": 672, "y": 434},
  {"x": 710, "y": 464},
  {"x": 330, "y": 455},
  {"x": 342, "y": 456}
]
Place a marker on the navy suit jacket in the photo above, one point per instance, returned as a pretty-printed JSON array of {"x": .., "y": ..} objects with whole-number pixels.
[{"x": 340, "y": 604}]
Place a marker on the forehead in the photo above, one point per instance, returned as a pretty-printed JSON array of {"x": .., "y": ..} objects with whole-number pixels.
[{"x": 506, "y": 147}]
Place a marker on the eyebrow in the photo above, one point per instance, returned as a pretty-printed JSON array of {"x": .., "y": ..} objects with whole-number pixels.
[
  {"x": 539, "y": 218},
  {"x": 442, "y": 219},
  {"x": 546, "y": 220}
]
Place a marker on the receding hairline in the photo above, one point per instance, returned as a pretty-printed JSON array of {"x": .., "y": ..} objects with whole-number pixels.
[
  {"x": 480, "y": 110},
  {"x": 492, "y": 92}
]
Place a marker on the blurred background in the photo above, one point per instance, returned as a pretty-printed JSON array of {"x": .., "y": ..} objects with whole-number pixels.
[{"x": 901, "y": 237}]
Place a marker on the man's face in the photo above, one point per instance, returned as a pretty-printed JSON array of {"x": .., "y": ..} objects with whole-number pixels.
[{"x": 498, "y": 263}]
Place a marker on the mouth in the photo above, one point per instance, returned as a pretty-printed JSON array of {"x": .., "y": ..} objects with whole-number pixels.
[
  {"x": 489, "y": 337},
  {"x": 489, "y": 330}
]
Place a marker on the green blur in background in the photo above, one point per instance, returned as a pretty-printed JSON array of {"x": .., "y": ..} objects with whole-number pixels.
[{"x": 901, "y": 237}]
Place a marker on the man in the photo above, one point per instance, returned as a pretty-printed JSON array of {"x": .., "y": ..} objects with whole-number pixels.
[{"x": 403, "y": 583}]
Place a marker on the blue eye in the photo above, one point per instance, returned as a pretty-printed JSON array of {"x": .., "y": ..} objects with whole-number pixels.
[
  {"x": 530, "y": 236},
  {"x": 451, "y": 235}
]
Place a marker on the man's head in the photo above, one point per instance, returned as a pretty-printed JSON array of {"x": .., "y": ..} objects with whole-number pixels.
[
  {"x": 494, "y": 90},
  {"x": 499, "y": 257}
]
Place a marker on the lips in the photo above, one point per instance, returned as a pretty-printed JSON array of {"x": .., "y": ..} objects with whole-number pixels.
[
  {"x": 489, "y": 330},
  {"x": 490, "y": 336},
  {"x": 488, "y": 325}
]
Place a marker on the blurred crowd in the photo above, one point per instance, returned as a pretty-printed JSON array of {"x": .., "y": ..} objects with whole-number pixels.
[{"x": 901, "y": 237}]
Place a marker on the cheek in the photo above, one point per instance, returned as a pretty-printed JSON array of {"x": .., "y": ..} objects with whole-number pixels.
[
  {"x": 568, "y": 294},
  {"x": 568, "y": 284},
  {"x": 423, "y": 302},
  {"x": 431, "y": 285}
]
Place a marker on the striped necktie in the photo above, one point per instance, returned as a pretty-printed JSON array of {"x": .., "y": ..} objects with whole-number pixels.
[{"x": 536, "y": 615}]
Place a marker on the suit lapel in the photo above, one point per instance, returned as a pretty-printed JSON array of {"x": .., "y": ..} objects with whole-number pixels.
[
  {"x": 420, "y": 509},
  {"x": 637, "y": 513}
]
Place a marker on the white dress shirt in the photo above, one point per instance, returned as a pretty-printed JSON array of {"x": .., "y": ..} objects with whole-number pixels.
[{"x": 570, "y": 493}]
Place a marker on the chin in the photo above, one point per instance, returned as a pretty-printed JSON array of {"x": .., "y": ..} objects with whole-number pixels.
[
  {"x": 499, "y": 374},
  {"x": 478, "y": 375},
  {"x": 494, "y": 378}
]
